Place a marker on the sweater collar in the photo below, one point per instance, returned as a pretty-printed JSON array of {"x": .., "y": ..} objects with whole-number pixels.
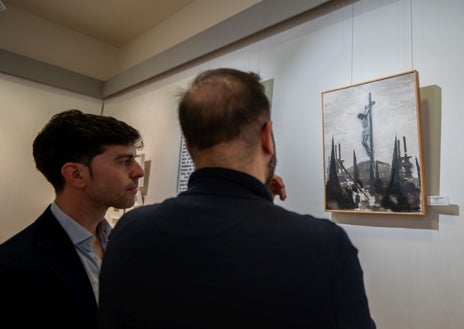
[{"x": 227, "y": 181}]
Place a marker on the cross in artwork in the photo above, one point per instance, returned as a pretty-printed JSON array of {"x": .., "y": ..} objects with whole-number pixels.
[{"x": 366, "y": 135}]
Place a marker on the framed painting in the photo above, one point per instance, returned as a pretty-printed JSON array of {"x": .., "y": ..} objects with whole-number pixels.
[{"x": 372, "y": 147}]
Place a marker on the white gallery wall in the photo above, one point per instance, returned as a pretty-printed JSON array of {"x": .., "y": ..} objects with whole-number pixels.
[
  {"x": 412, "y": 265},
  {"x": 25, "y": 108}
]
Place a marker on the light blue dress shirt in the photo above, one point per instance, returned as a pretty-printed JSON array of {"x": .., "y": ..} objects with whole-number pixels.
[{"x": 83, "y": 241}]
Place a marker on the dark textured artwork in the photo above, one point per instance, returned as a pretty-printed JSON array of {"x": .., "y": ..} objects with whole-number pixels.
[{"x": 372, "y": 147}]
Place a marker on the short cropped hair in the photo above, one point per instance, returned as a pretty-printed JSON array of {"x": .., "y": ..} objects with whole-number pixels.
[
  {"x": 74, "y": 136},
  {"x": 221, "y": 105}
]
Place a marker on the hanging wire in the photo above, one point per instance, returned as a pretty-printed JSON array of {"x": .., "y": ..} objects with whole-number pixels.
[
  {"x": 410, "y": 12},
  {"x": 352, "y": 43}
]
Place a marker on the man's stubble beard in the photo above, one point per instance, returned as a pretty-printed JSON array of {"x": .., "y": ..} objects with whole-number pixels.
[
  {"x": 271, "y": 168},
  {"x": 272, "y": 163}
]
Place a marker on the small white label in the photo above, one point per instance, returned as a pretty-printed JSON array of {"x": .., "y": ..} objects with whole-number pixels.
[{"x": 438, "y": 200}]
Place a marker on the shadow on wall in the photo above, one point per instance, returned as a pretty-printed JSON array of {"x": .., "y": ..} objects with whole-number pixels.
[{"x": 431, "y": 141}]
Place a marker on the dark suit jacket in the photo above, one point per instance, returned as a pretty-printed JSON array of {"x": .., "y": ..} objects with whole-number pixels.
[
  {"x": 43, "y": 281},
  {"x": 222, "y": 255}
]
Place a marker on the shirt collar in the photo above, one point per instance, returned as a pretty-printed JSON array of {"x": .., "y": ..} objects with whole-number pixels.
[{"x": 76, "y": 232}]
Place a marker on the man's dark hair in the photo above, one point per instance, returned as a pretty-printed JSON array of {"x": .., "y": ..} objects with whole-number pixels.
[
  {"x": 221, "y": 105},
  {"x": 74, "y": 136}
]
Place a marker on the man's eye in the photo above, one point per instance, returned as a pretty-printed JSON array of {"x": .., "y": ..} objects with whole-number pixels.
[{"x": 126, "y": 161}]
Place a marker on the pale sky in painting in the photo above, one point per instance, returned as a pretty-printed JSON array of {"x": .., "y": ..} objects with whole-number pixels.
[{"x": 393, "y": 114}]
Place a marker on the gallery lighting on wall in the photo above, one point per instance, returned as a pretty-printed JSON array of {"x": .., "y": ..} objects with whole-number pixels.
[{"x": 2, "y": 6}]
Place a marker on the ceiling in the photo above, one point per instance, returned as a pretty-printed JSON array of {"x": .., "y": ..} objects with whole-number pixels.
[
  {"x": 122, "y": 57},
  {"x": 115, "y": 22}
]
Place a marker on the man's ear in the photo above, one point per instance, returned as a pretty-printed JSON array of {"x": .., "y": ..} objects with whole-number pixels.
[
  {"x": 73, "y": 174},
  {"x": 267, "y": 138}
]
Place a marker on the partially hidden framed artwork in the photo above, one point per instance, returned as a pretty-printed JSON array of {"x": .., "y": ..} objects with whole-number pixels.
[{"x": 372, "y": 147}]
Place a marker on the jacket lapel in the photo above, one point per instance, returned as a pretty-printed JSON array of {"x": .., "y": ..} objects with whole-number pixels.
[{"x": 61, "y": 257}]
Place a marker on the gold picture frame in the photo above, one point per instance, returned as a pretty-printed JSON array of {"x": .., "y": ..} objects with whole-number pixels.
[{"x": 373, "y": 160}]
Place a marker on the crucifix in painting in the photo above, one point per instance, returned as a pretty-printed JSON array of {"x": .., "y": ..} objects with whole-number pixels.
[
  {"x": 367, "y": 134},
  {"x": 366, "y": 119},
  {"x": 374, "y": 173}
]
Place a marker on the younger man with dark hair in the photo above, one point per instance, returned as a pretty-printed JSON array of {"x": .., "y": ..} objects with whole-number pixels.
[{"x": 49, "y": 271}]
